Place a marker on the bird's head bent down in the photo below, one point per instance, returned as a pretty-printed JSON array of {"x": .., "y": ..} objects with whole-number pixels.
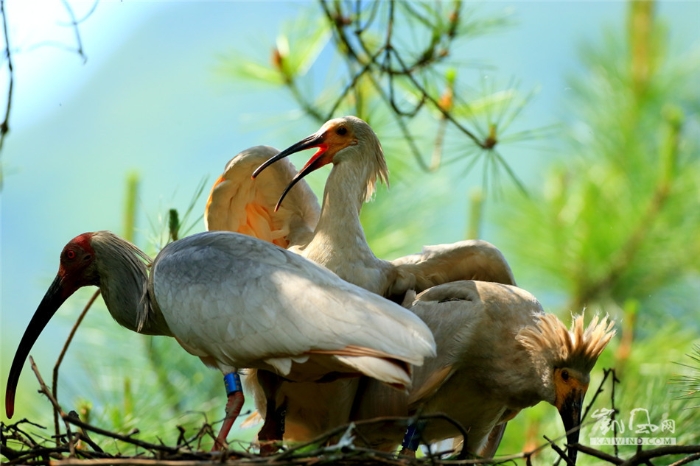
[
  {"x": 85, "y": 261},
  {"x": 341, "y": 140},
  {"x": 76, "y": 269},
  {"x": 565, "y": 357}
]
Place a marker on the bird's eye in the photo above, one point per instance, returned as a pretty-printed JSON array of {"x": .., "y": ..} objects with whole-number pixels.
[
  {"x": 70, "y": 254},
  {"x": 565, "y": 375},
  {"x": 342, "y": 131}
]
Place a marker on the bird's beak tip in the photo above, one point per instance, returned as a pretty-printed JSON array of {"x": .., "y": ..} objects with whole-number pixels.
[{"x": 10, "y": 403}]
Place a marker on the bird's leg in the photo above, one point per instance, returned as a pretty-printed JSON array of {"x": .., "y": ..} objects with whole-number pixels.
[
  {"x": 234, "y": 390},
  {"x": 272, "y": 430},
  {"x": 412, "y": 439}
]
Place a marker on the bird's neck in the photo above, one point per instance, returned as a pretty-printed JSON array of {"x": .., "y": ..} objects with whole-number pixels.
[
  {"x": 339, "y": 242},
  {"x": 343, "y": 197},
  {"x": 124, "y": 287},
  {"x": 531, "y": 382}
]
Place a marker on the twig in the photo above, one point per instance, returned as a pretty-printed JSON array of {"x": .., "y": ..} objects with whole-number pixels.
[
  {"x": 686, "y": 460},
  {"x": 131, "y": 461},
  {"x": 74, "y": 23},
  {"x": 598, "y": 454},
  {"x": 606, "y": 373},
  {"x": 45, "y": 390},
  {"x": 380, "y": 62},
  {"x": 614, "y": 410},
  {"x": 123, "y": 438},
  {"x": 54, "y": 381},
  {"x": 82, "y": 435},
  {"x": 561, "y": 453},
  {"x": 4, "y": 126},
  {"x": 646, "y": 455}
]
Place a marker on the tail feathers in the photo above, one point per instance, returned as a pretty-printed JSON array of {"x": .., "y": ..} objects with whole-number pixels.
[
  {"x": 253, "y": 420},
  {"x": 356, "y": 351},
  {"x": 390, "y": 371}
]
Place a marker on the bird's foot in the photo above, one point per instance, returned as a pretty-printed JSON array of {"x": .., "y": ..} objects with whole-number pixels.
[
  {"x": 269, "y": 448},
  {"x": 411, "y": 439}
]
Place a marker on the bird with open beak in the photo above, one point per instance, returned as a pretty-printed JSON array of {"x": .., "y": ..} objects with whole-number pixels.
[{"x": 338, "y": 242}]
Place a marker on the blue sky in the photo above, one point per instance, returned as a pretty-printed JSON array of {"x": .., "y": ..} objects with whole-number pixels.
[{"x": 149, "y": 99}]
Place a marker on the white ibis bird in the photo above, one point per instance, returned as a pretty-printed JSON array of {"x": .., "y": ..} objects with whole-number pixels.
[
  {"x": 339, "y": 241},
  {"x": 498, "y": 353},
  {"x": 238, "y": 302}
]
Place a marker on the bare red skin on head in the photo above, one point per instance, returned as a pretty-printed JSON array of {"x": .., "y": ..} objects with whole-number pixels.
[
  {"x": 84, "y": 241},
  {"x": 80, "y": 244}
]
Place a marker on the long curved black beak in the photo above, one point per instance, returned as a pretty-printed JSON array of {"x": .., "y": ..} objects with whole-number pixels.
[
  {"x": 315, "y": 140},
  {"x": 54, "y": 297},
  {"x": 306, "y": 143},
  {"x": 570, "y": 413}
]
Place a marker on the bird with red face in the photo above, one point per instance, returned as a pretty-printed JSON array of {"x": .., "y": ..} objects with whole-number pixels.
[{"x": 238, "y": 302}]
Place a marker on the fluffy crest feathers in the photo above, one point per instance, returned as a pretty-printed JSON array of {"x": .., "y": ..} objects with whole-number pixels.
[
  {"x": 379, "y": 168},
  {"x": 576, "y": 347}
]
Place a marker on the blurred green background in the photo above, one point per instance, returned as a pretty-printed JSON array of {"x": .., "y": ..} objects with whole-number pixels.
[{"x": 610, "y": 222}]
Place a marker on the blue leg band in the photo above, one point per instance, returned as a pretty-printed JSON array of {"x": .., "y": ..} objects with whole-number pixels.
[
  {"x": 233, "y": 383},
  {"x": 412, "y": 438}
]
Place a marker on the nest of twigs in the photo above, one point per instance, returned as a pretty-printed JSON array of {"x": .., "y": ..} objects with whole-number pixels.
[{"x": 78, "y": 445}]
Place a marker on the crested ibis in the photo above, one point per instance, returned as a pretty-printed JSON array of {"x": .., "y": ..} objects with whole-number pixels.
[
  {"x": 238, "y": 302},
  {"x": 338, "y": 240},
  {"x": 498, "y": 353}
]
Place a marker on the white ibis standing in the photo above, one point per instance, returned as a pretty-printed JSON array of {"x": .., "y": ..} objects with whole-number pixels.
[
  {"x": 238, "y": 302},
  {"x": 339, "y": 242},
  {"x": 498, "y": 353}
]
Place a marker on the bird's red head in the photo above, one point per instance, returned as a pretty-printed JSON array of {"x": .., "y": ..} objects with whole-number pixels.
[
  {"x": 75, "y": 271},
  {"x": 77, "y": 258}
]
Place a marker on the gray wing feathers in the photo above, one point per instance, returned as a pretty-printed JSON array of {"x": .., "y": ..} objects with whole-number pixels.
[
  {"x": 254, "y": 300},
  {"x": 444, "y": 263}
]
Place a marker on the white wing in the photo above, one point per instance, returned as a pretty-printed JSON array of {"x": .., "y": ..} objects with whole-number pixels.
[
  {"x": 247, "y": 303},
  {"x": 445, "y": 263},
  {"x": 239, "y": 203}
]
